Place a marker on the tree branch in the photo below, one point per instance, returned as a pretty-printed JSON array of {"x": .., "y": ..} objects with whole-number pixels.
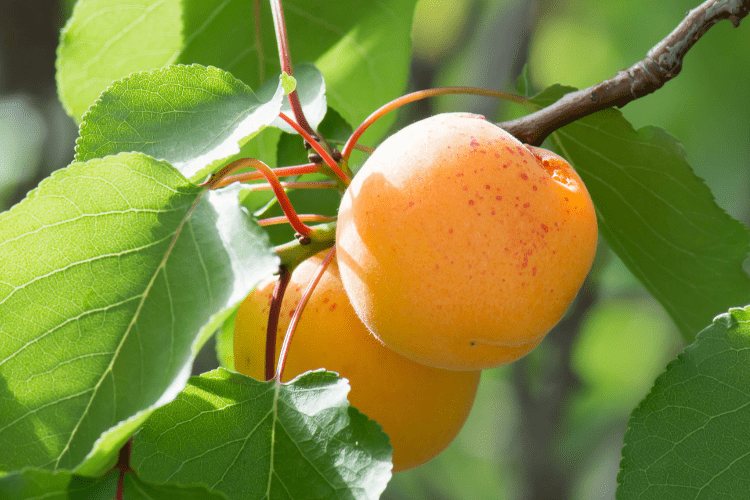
[{"x": 662, "y": 63}]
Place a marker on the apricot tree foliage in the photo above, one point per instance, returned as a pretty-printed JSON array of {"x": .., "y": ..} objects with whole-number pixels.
[{"x": 117, "y": 269}]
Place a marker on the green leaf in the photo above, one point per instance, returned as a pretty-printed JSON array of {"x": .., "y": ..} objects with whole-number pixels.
[
  {"x": 288, "y": 82},
  {"x": 191, "y": 116},
  {"x": 335, "y": 128},
  {"x": 134, "y": 488},
  {"x": 311, "y": 91},
  {"x": 104, "y": 41},
  {"x": 523, "y": 86},
  {"x": 114, "y": 272},
  {"x": 57, "y": 485},
  {"x": 361, "y": 47},
  {"x": 688, "y": 439},
  {"x": 657, "y": 215},
  {"x": 253, "y": 439},
  {"x": 225, "y": 343}
]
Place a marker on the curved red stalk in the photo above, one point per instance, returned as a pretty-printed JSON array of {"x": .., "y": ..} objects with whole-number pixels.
[
  {"x": 298, "y": 313},
  {"x": 285, "y": 59},
  {"x": 415, "y": 96},
  {"x": 273, "y": 320},
  {"x": 318, "y": 149},
  {"x": 274, "y": 182},
  {"x": 303, "y": 217},
  {"x": 308, "y": 168}
]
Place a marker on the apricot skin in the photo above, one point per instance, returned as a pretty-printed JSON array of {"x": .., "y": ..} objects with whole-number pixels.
[
  {"x": 421, "y": 408},
  {"x": 461, "y": 248}
]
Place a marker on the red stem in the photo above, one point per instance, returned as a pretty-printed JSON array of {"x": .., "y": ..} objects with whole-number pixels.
[
  {"x": 303, "y": 217},
  {"x": 273, "y": 320},
  {"x": 294, "y": 185},
  {"x": 278, "y": 189},
  {"x": 123, "y": 464},
  {"x": 415, "y": 96},
  {"x": 285, "y": 57},
  {"x": 298, "y": 312},
  {"x": 309, "y": 168},
  {"x": 318, "y": 149}
]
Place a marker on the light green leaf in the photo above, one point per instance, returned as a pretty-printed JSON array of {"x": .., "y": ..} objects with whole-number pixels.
[
  {"x": 311, "y": 91},
  {"x": 657, "y": 215},
  {"x": 288, "y": 82},
  {"x": 255, "y": 439},
  {"x": 134, "y": 488},
  {"x": 33, "y": 484},
  {"x": 104, "y": 41},
  {"x": 113, "y": 273},
  {"x": 191, "y": 116},
  {"x": 361, "y": 47},
  {"x": 225, "y": 343},
  {"x": 688, "y": 439}
]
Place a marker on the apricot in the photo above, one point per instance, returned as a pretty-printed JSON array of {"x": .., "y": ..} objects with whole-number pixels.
[
  {"x": 459, "y": 247},
  {"x": 420, "y": 408}
]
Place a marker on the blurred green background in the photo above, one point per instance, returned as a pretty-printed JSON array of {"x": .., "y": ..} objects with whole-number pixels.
[{"x": 550, "y": 425}]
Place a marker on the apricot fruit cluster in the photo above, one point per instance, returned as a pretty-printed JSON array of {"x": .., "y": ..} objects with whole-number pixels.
[
  {"x": 459, "y": 247},
  {"x": 421, "y": 408}
]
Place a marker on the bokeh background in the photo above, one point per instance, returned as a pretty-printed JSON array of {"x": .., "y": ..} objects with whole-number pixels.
[{"x": 551, "y": 425}]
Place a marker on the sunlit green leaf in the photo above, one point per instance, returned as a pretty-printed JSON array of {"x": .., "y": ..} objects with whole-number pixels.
[
  {"x": 114, "y": 272},
  {"x": 191, "y": 116},
  {"x": 657, "y": 215},
  {"x": 688, "y": 438},
  {"x": 104, "y": 41},
  {"x": 253, "y": 439},
  {"x": 58, "y": 485},
  {"x": 361, "y": 47}
]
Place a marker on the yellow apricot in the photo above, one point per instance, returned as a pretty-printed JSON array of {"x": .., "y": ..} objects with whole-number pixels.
[
  {"x": 420, "y": 408},
  {"x": 459, "y": 247}
]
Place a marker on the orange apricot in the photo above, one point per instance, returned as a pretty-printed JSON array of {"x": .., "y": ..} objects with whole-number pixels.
[
  {"x": 459, "y": 247},
  {"x": 420, "y": 408}
]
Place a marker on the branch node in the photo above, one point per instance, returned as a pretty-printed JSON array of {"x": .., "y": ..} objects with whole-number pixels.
[{"x": 303, "y": 239}]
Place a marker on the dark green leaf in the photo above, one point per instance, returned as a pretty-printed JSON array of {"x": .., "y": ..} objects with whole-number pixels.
[
  {"x": 114, "y": 272},
  {"x": 134, "y": 488},
  {"x": 657, "y": 215},
  {"x": 58, "y": 485},
  {"x": 191, "y": 116},
  {"x": 688, "y": 439},
  {"x": 335, "y": 128},
  {"x": 253, "y": 439},
  {"x": 361, "y": 47}
]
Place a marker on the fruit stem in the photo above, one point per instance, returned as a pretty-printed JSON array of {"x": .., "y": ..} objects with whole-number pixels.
[
  {"x": 309, "y": 168},
  {"x": 278, "y": 189},
  {"x": 358, "y": 147},
  {"x": 298, "y": 313},
  {"x": 303, "y": 217},
  {"x": 294, "y": 185},
  {"x": 292, "y": 253},
  {"x": 346, "y": 179},
  {"x": 123, "y": 465},
  {"x": 285, "y": 58},
  {"x": 273, "y": 320},
  {"x": 416, "y": 96}
]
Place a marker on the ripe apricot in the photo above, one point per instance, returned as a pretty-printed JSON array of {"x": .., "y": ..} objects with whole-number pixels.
[
  {"x": 459, "y": 247},
  {"x": 421, "y": 408}
]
